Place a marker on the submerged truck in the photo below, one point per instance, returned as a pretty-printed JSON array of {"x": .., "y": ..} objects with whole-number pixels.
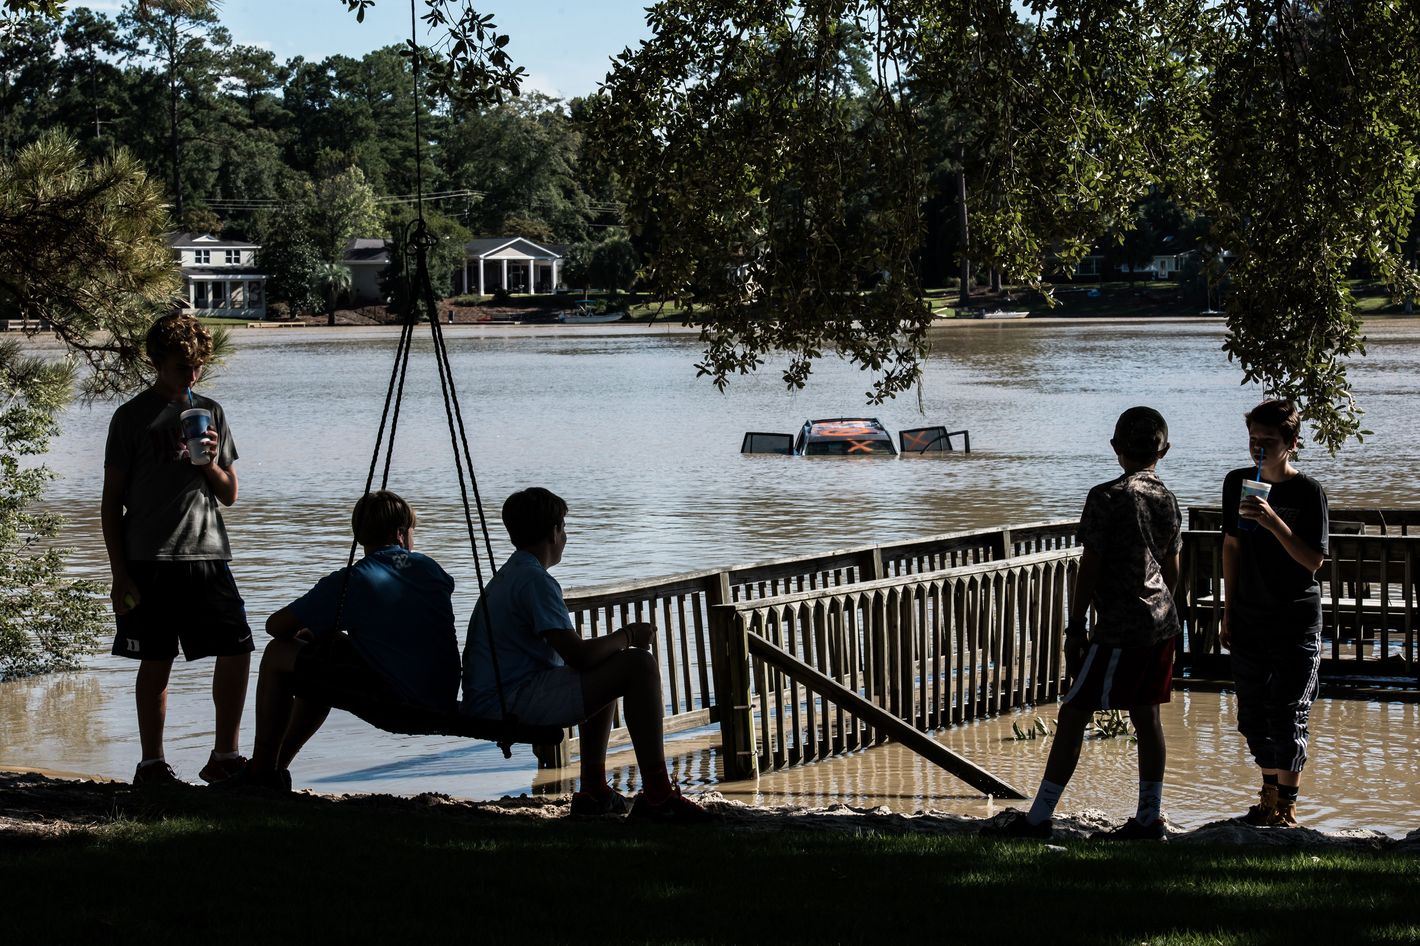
[{"x": 854, "y": 437}]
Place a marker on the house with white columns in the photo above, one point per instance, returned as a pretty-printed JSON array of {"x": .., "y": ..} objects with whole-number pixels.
[
  {"x": 219, "y": 277},
  {"x": 515, "y": 264}
]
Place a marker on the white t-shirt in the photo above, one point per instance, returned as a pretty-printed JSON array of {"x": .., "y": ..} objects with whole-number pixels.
[{"x": 522, "y": 602}]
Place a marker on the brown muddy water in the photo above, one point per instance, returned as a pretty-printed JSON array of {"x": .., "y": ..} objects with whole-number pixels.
[{"x": 647, "y": 457}]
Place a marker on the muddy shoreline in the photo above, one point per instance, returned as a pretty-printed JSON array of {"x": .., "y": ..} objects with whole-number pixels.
[{"x": 36, "y": 806}]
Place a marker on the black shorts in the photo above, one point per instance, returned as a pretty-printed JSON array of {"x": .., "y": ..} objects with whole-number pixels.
[
  {"x": 192, "y": 603},
  {"x": 331, "y": 672}
]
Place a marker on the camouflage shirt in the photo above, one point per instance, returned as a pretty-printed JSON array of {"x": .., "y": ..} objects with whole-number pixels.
[{"x": 1133, "y": 524}]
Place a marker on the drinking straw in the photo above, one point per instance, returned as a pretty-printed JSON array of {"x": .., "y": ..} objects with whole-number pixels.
[
  {"x": 1261, "y": 451},
  {"x": 189, "y": 404}
]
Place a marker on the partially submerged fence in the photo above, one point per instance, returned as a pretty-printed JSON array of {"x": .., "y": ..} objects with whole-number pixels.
[
  {"x": 815, "y": 673},
  {"x": 802, "y": 658},
  {"x": 1368, "y": 593},
  {"x": 987, "y": 595}
]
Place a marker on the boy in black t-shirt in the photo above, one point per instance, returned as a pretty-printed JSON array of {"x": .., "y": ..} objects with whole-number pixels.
[
  {"x": 1272, "y": 549},
  {"x": 1131, "y": 532},
  {"x": 168, "y": 550}
]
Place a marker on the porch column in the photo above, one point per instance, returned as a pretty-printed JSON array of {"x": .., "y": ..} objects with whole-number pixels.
[
  {"x": 554, "y": 274},
  {"x": 191, "y": 294},
  {"x": 480, "y": 276},
  {"x": 505, "y": 274}
]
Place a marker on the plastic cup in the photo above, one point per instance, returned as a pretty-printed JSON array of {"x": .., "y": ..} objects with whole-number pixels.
[
  {"x": 195, "y": 421},
  {"x": 1252, "y": 488}
]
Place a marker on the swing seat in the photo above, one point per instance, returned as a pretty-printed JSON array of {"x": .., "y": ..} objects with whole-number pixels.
[{"x": 407, "y": 720}]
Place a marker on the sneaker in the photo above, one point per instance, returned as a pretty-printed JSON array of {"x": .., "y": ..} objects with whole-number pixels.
[
  {"x": 219, "y": 770},
  {"x": 1132, "y": 830},
  {"x": 677, "y": 809},
  {"x": 246, "y": 781},
  {"x": 1285, "y": 814},
  {"x": 1019, "y": 827},
  {"x": 596, "y": 804},
  {"x": 1261, "y": 815},
  {"x": 156, "y": 773}
]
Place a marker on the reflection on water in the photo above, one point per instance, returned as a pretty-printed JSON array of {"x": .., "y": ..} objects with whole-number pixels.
[{"x": 646, "y": 455}]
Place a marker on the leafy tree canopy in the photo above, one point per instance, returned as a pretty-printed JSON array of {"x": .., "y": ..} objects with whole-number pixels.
[{"x": 781, "y": 189}]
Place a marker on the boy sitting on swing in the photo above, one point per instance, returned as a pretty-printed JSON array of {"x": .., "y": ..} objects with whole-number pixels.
[
  {"x": 550, "y": 676},
  {"x": 394, "y": 643}
]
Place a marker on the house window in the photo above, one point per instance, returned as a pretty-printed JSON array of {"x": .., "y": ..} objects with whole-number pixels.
[
  {"x": 234, "y": 257},
  {"x": 202, "y": 257},
  {"x": 199, "y": 296}
]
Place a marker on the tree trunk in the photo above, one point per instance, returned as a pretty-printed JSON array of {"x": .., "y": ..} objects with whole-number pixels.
[
  {"x": 963, "y": 235},
  {"x": 995, "y": 280},
  {"x": 174, "y": 144}
]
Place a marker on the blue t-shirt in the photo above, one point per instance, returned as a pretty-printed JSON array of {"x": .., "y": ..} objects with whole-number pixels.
[
  {"x": 400, "y": 617},
  {"x": 523, "y": 603}
]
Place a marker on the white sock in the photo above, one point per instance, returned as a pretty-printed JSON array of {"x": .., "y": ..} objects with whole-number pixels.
[
  {"x": 224, "y": 756},
  {"x": 1151, "y": 799},
  {"x": 147, "y": 762},
  {"x": 1046, "y": 798}
]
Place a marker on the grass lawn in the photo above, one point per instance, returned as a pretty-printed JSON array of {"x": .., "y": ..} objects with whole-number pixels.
[{"x": 194, "y": 866}]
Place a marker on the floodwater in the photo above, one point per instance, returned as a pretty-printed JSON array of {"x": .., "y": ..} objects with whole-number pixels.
[{"x": 647, "y": 456}]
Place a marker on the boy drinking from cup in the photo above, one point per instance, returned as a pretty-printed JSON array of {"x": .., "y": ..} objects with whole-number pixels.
[
  {"x": 1273, "y": 543},
  {"x": 167, "y": 545}
]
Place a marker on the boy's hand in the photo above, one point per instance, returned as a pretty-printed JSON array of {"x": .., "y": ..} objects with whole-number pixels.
[
  {"x": 1077, "y": 641},
  {"x": 209, "y": 444},
  {"x": 639, "y": 634},
  {"x": 124, "y": 596},
  {"x": 1075, "y": 648},
  {"x": 1257, "y": 509}
]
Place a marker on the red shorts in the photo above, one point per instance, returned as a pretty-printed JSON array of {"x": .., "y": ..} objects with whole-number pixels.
[{"x": 1124, "y": 677}]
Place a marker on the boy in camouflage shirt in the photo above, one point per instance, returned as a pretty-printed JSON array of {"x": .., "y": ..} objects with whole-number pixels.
[{"x": 1131, "y": 534}]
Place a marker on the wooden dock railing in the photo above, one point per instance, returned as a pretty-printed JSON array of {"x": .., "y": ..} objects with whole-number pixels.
[
  {"x": 810, "y": 674},
  {"x": 951, "y": 628},
  {"x": 680, "y": 605},
  {"x": 1368, "y": 592}
]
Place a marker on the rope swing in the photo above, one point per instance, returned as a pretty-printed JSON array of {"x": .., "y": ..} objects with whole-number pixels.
[{"x": 417, "y": 237}]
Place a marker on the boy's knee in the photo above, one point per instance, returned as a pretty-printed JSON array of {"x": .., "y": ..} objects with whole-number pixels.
[
  {"x": 645, "y": 663},
  {"x": 280, "y": 656}
]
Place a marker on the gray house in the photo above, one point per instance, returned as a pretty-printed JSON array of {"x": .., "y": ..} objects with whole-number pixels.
[{"x": 366, "y": 258}]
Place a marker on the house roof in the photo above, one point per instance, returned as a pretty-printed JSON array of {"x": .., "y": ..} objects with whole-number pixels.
[
  {"x": 206, "y": 241},
  {"x": 366, "y": 251},
  {"x": 487, "y": 246}
]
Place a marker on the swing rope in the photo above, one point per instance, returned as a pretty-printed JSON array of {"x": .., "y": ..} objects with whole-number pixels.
[{"x": 419, "y": 288}]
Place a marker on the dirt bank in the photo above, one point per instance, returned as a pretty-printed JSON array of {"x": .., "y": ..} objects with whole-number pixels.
[{"x": 35, "y": 806}]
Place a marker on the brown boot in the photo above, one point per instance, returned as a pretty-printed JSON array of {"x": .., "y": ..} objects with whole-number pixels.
[
  {"x": 1285, "y": 814},
  {"x": 1264, "y": 813}
]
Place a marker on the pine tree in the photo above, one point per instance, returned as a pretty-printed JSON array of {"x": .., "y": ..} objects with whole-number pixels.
[{"x": 81, "y": 247}]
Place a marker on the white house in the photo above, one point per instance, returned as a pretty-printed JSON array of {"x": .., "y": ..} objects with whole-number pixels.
[
  {"x": 515, "y": 264},
  {"x": 220, "y": 276}
]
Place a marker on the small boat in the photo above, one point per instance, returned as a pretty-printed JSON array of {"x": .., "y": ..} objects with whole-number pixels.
[
  {"x": 852, "y": 437},
  {"x": 582, "y": 313},
  {"x": 982, "y": 313},
  {"x": 582, "y": 317}
]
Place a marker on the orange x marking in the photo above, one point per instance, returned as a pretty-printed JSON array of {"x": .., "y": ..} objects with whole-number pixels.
[
  {"x": 918, "y": 439},
  {"x": 859, "y": 446}
]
